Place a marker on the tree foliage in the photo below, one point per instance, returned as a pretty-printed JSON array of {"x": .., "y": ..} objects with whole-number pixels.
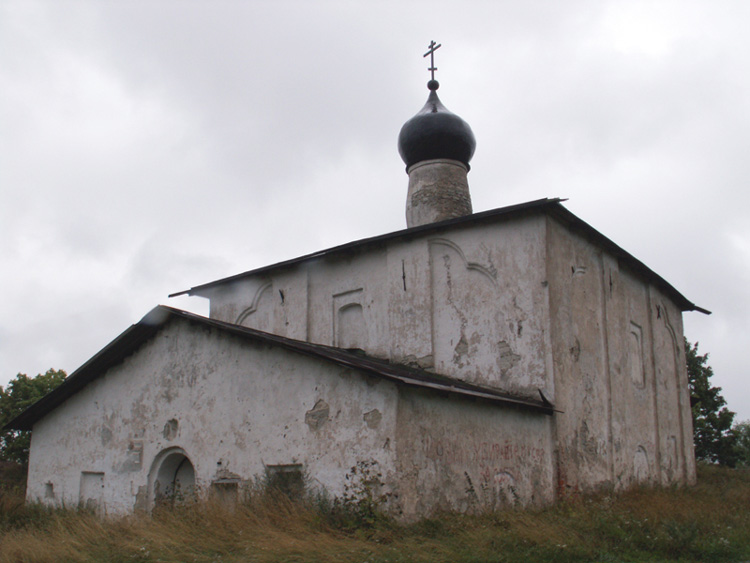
[
  {"x": 712, "y": 420},
  {"x": 741, "y": 431},
  {"x": 18, "y": 395}
]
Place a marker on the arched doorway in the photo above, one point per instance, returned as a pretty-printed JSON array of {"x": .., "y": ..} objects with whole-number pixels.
[{"x": 173, "y": 478}]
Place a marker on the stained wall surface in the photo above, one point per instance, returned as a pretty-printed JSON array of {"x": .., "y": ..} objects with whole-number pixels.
[
  {"x": 233, "y": 407},
  {"x": 524, "y": 305},
  {"x": 455, "y": 454},
  {"x": 469, "y": 303},
  {"x": 620, "y": 375},
  {"x": 236, "y": 408}
]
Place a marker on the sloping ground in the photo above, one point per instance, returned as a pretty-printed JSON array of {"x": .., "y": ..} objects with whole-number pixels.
[
  {"x": 709, "y": 522},
  {"x": 12, "y": 476}
]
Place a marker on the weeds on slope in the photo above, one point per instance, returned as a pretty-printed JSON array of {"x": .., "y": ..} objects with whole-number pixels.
[{"x": 708, "y": 522}]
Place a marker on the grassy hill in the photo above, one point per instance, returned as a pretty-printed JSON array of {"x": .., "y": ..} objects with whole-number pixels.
[{"x": 709, "y": 522}]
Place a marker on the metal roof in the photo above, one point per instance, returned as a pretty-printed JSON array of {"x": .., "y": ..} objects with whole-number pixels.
[
  {"x": 132, "y": 338},
  {"x": 551, "y": 206}
]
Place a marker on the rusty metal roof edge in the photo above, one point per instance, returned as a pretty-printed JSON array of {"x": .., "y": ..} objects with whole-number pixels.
[
  {"x": 131, "y": 339},
  {"x": 403, "y": 233}
]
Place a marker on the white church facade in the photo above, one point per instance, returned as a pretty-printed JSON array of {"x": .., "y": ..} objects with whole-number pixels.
[{"x": 470, "y": 361}]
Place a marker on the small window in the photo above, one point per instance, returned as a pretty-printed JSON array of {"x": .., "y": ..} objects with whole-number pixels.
[
  {"x": 49, "y": 490},
  {"x": 170, "y": 429},
  {"x": 286, "y": 479}
]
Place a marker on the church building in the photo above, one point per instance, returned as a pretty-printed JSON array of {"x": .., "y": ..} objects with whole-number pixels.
[{"x": 470, "y": 361}]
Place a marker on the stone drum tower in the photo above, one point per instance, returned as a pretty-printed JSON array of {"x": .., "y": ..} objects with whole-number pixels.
[{"x": 436, "y": 146}]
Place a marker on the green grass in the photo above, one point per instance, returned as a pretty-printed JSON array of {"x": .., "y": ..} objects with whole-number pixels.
[{"x": 708, "y": 522}]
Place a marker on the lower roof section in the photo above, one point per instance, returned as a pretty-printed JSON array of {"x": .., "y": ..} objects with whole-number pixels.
[{"x": 148, "y": 327}]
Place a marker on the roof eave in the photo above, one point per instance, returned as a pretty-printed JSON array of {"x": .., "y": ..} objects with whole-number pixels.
[
  {"x": 131, "y": 339},
  {"x": 357, "y": 244},
  {"x": 574, "y": 222},
  {"x": 547, "y": 205},
  {"x": 113, "y": 353}
]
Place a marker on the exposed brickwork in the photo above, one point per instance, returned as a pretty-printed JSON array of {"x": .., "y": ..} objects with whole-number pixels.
[{"x": 438, "y": 190}]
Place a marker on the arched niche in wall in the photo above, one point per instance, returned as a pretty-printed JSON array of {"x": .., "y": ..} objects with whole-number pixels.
[
  {"x": 349, "y": 324},
  {"x": 351, "y": 330},
  {"x": 641, "y": 467},
  {"x": 259, "y": 314},
  {"x": 172, "y": 478},
  {"x": 470, "y": 337},
  {"x": 671, "y": 414},
  {"x": 635, "y": 355}
]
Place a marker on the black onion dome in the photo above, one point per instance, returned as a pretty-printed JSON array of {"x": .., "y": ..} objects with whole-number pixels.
[{"x": 435, "y": 133}]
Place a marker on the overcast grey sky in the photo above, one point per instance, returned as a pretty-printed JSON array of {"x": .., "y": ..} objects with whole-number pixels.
[{"x": 150, "y": 146}]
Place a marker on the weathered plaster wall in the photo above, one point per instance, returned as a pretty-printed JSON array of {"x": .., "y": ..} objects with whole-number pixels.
[
  {"x": 508, "y": 304},
  {"x": 347, "y": 302},
  {"x": 455, "y": 454},
  {"x": 238, "y": 407},
  {"x": 409, "y": 305},
  {"x": 489, "y": 305},
  {"x": 470, "y": 303},
  {"x": 522, "y": 305},
  {"x": 619, "y": 372},
  {"x": 634, "y": 421},
  {"x": 677, "y": 459},
  {"x": 276, "y": 304},
  {"x": 578, "y": 323}
]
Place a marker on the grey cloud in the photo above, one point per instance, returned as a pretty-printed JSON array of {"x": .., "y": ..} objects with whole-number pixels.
[{"x": 151, "y": 146}]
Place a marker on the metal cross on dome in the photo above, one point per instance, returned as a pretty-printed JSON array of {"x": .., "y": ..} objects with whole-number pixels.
[{"x": 433, "y": 47}]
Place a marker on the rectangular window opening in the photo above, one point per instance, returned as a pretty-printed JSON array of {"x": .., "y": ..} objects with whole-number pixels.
[{"x": 286, "y": 479}]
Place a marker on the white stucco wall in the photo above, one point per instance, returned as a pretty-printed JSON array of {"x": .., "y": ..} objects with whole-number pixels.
[
  {"x": 239, "y": 406},
  {"x": 521, "y": 305},
  {"x": 468, "y": 302},
  {"x": 458, "y": 454},
  {"x": 620, "y": 375},
  {"x": 234, "y": 407}
]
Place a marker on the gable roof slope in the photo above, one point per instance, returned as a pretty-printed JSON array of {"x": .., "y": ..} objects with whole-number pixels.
[
  {"x": 551, "y": 206},
  {"x": 131, "y": 339}
]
